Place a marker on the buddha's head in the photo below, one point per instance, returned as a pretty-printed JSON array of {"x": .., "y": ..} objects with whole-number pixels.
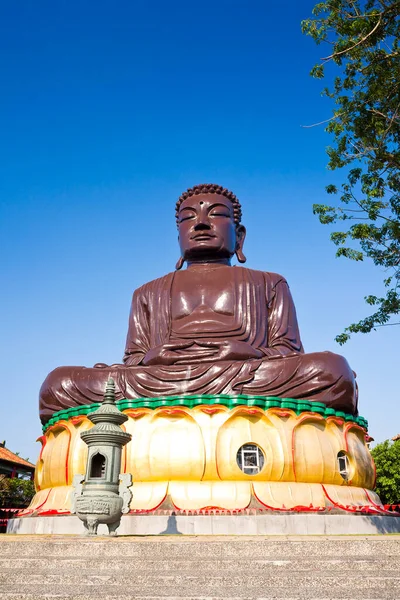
[{"x": 208, "y": 219}]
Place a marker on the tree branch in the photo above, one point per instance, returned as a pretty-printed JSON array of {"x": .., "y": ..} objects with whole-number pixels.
[
  {"x": 320, "y": 123},
  {"x": 356, "y": 44}
]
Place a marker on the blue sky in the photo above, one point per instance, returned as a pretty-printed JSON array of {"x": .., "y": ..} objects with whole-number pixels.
[{"x": 108, "y": 110}]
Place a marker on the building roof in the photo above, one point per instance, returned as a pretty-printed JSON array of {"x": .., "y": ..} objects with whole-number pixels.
[
  {"x": 396, "y": 437},
  {"x": 6, "y": 454}
]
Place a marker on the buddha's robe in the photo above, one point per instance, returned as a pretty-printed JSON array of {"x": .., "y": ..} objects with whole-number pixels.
[{"x": 264, "y": 316}]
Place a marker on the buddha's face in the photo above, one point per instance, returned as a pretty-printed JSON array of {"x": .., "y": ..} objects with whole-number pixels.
[{"x": 206, "y": 228}]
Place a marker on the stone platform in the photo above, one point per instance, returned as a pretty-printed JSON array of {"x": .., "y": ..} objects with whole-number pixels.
[
  {"x": 191, "y": 568},
  {"x": 218, "y": 524}
]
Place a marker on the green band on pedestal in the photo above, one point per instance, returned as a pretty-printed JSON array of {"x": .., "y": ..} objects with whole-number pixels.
[{"x": 299, "y": 406}]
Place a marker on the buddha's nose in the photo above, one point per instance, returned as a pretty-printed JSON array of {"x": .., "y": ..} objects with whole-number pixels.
[{"x": 202, "y": 224}]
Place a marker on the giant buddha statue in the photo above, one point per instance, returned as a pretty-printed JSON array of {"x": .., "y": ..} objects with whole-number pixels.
[
  {"x": 225, "y": 409},
  {"x": 210, "y": 328}
]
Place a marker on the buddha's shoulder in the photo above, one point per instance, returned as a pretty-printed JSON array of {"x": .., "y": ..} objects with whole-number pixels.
[
  {"x": 156, "y": 285},
  {"x": 269, "y": 277}
]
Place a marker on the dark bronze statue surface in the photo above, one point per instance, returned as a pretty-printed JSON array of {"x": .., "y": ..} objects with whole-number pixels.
[{"x": 211, "y": 328}]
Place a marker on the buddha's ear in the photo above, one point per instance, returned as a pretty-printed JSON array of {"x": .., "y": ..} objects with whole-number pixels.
[
  {"x": 240, "y": 237},
  {"x": 181, "y": 260},
  {"x": 180, "y": 263}
]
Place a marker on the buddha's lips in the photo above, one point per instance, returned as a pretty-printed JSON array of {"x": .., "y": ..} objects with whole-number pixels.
[{"x": 203, "y": 236}]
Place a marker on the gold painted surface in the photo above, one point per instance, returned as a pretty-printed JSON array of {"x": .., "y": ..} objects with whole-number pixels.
[
  {"x": 78, "y": 449},
  {"x": 61, "y": 497},
  {"x": 167, "y": 445},
  {"x": 190, "y": 455},
  {"x": 55, "y": 457},
  {"x": 279, "y": 495},
  {"x": 147, "y": 495},
  {"x": 190, "y": 495},
  {"x": 363, "y": 472},
  {"x": 210, "y": 420},
  {"x": 39, "y": 500},
  {"x": 315, "y": 451},
  {"x": 350, "y": 496}
]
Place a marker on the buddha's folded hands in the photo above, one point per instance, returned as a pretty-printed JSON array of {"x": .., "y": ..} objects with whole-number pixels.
[
  {"x": 220, "y": 350},
  {"x": 176, "y": 353}
]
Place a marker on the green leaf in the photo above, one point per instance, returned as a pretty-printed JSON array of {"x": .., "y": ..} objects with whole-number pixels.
[
  {"x": 317, "y": 71},
  {"x": 331, "y": 189}
]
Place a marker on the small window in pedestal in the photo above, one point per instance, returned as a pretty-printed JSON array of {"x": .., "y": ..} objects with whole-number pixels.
[
  {"x": 343, "y": 465},
  {"x": 98, "y": 466},
  {"x": 250, "y": 459}
]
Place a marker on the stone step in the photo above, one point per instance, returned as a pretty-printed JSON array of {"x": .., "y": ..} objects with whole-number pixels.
[
  {"x": 194, "y": 547},
  {"x": 217, "y": 583},
  {"x": 320, "y": 588},
  {"x": 243, "y": 565},
  {"x": 287, "y": 594},
  {"x": 211, "y": 579},
  {"x": 13, "y": 595},
  {"x": 206, "y": 568}
]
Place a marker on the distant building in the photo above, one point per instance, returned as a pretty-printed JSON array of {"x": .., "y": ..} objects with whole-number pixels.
[
  {"x": 12, "y": 465},
  {"x": 369, "y": 440},
  {"x": 396, "y": 437}
]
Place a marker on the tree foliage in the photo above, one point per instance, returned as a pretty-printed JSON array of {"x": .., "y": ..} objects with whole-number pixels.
[
  {"x": 15, "y": 493},
  {"x": 364, "y": 40},
  {"x": 387, "y": 460}
]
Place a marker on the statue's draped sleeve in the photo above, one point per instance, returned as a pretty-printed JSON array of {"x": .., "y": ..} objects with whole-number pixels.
[
  {"x": 149, "y": 319},
  {"x": 283, "y": 330},
  {"x": 137, "y": 340}
]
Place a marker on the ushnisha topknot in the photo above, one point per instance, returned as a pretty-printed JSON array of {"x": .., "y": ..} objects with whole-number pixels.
[{"x": 211, "y": 188}]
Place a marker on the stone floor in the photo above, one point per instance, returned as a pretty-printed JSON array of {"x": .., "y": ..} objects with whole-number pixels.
[{"x": 200, "y": 567}]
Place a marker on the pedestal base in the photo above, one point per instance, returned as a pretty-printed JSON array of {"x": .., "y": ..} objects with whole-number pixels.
[
  {"x": 231, "y": 453},
  {"x": 213, "y": 524}
]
